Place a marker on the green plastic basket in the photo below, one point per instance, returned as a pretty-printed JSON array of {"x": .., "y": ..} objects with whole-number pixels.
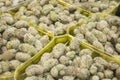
[
  {"x": 41, "y": 32},
  {"x": 20, "y": 71},
  {"x": 87, "y": 12}
]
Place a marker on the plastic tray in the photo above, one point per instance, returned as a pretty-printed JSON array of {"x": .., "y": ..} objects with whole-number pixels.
[
  {"x": 87, "y": 12},
  {"x": 20, "y": 71},
  {"x": 105, "y": 55},
  {"x": 63, "y": 3},
  {"x": 41, "y": 32}
]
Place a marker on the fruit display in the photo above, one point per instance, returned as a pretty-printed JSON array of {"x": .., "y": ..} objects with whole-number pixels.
[
  {"x": 103, "y": 33},
  {"x": 59, "y": 40},
  {"x": 95, "y": 5},
  {"x": 18, "y": 42},
  {"x": 50, "y": 15},
  {"x": 72, "y": 63},
  {"x": 99, "y": 6}
]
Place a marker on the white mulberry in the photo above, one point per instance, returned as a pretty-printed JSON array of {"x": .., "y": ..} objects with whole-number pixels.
[
  {"x": 22, "y": 56},
  {"x": 54, "y": 72},
  {"x": 9, "y": 32},
  {"x": 21, "y": 24},
  {"x": 100, "y": 35},
  {"x": 98, "y": 45},
  {"x": 49, "y": 64},
  {"x": 13, "y": 44},
  {"x": 68, "y": 78},
  {"x": 47, "y": 8},
  {"x": 118, "y": 47},
  {"x": 108, "y": 74},
  {"x": 70, "y": 54},
  {"x": 5, "y": 66},
  {"x": 38, "y": 45},
  {"x": 102, "y": 24},
  {"x": 44, "y": 40},
  {"x": 19, "y": 33},
  {"x": 8, "y": 54},
  {"x": 93, "y": 69},
  {"x": 90, "y": 37},
  {"x": 34, "y": 70},
  {"x": 95, "y": 78},
  {"x": 32, "y": 30},
  {"x": 85, "y": 61},
  {"x": 31, "y": 78},
  {"x": 85, "y": 52},
  {"x": 27, "y": 48},
  {"x": 14, "y": 64},
  {"x": 82, "y": 73},
  {"x": 29, "y": 38},
  {"x": 58, "y": 50},
  {"x": 64, "y": 60}
]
